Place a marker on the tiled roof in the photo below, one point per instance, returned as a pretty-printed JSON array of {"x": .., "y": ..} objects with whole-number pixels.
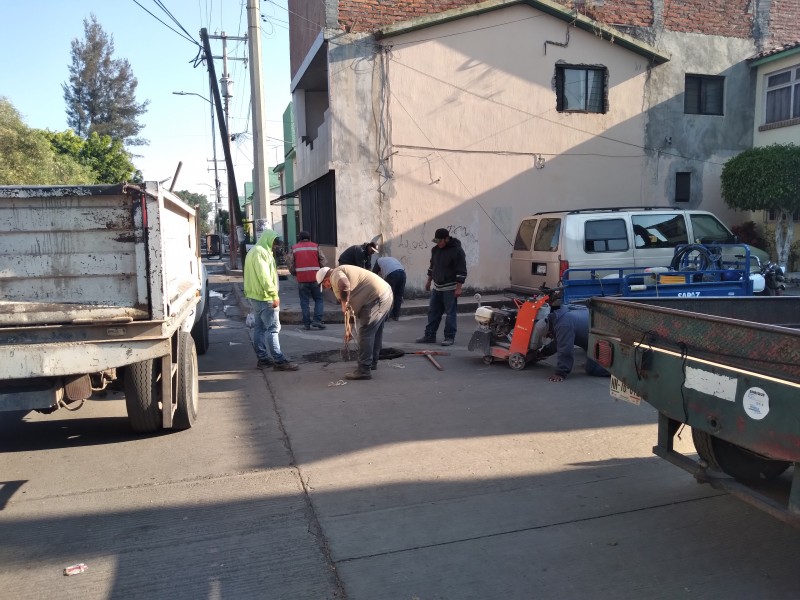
[{"x": 776, "y": 50}]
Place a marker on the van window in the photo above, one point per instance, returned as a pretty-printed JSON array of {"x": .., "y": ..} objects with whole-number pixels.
[
  {"x": 525, "y": 235},
  {"x": 548, "y": 235},
  {"x": 659, "y": 231},
  {"x": 606, "y": 235},
  {"x": 708, "y": 230}
]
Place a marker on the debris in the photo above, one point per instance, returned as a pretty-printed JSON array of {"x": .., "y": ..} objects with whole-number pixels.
[
  {"x": 399, "y": 366},
  {"x": 340, "y": 382},
  {"x": 235, "y": 343},
  {"x": 75, "y": 569}
]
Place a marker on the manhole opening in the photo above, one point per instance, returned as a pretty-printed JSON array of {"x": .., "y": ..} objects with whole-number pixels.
[{"x": 339, "y": 355}]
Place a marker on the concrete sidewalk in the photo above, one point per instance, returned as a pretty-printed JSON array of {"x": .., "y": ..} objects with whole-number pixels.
[{"x": 290, "y": 297}]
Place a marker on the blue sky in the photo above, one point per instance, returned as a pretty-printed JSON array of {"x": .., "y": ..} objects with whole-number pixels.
[{"x": 36, "y": 48}]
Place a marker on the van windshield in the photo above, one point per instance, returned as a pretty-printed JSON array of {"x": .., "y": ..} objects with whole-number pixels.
[
  {"x": 548, "y": 235},
  {"x": 659, "y": 231},
  {"x": 708, "y": 230}
]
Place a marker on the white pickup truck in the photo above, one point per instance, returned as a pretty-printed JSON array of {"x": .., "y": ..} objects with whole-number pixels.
[{"x": 101, "y": 286}]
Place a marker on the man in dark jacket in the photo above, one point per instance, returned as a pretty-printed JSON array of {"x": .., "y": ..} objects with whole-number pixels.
[
  {"x": 446, "y": 275},
  {"x": 359, "y": 256}
]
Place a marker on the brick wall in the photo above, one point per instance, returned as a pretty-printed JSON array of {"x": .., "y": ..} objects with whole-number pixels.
[
  {"x": 728, "y": 18},
  {"x": 784, "y": 23},
  {"x": 306, "y": 20},
  {"x": 732, "y": 18}
]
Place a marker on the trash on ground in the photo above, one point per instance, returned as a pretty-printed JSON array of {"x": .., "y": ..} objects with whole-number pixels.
[
  {"x": 340, "y": 382},
  {"x": 399, "y": 366},
  {"x": 75, "y": 569},
  {"x": 235, "y": 343},
  {"x": 250, "y": 321}
]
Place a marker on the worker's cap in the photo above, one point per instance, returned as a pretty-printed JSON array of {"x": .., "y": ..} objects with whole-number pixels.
[
  {"x": 321, "y": 274},
  {"x": 304, "y": 235},
  {"x": 441, "y": 234}
]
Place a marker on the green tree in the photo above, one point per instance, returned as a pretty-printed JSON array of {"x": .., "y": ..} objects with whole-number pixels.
[
  {"x": 28, "y": 158},
  {"x": 103, "y": 155},
  {"x": 223, "y": 222},
  {"x": 201, "y": 201},
  {"x": 101, "y": 92},
  {"x": 766, "y": 178}
]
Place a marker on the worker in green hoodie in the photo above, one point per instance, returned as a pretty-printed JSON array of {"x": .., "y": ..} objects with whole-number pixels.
[{"x": 261, "y": 289}]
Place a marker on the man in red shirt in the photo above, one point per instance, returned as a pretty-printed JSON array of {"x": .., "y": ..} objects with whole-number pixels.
[{"x": 305, "y": 259}]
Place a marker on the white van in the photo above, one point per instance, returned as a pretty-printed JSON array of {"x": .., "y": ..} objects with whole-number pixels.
[{"x": 549, "y": 243}]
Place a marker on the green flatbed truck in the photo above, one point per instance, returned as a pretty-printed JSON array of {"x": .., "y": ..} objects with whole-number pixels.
[{"x": 727, "y": 367}]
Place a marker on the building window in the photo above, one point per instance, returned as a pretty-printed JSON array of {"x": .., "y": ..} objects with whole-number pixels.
[
  {"x": 581, "y": 89},
  {"x": 683, "y": 186},
  {"x": 772, "y": 215},
  {"x": 703, "y": 95},
  {"x": 783, "y": 95}
]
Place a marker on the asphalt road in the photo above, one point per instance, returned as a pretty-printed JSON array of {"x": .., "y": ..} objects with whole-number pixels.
[{"x": 476, "y": 482}]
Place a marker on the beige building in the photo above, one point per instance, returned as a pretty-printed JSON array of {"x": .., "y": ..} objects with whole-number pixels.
[
  {"x": 473, "y": 118},
  {"x": 777, "y": 106}
]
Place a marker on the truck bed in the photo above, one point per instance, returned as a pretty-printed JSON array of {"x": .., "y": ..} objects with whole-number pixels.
[
  {"x": 757, "y": 334},
  {"x": 88, "y": 254}
]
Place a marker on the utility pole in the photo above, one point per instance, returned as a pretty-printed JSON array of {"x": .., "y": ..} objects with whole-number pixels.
[
  {"x": 236, "y": 224},
  {"x": 261, "y": 187},
  {"x": 218, "y": 225}
]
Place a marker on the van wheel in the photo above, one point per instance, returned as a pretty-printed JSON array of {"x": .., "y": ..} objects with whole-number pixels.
[{"x": 516, "y": 361}]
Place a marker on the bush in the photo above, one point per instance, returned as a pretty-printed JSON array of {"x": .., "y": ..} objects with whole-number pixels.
[{"x": 747, "y": 233}]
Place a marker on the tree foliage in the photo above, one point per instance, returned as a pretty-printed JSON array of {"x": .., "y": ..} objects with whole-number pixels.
[
  {"x": 766, "y": 178},
  {"x": 101, "y": 92},
  {"x": 198, "y": 201},
  {"x": 28, "y": 158},
  {"x": 103, "y": 155}
]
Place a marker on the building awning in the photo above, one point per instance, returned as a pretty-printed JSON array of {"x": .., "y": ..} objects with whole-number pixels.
[{"x": 280, "y": 199}]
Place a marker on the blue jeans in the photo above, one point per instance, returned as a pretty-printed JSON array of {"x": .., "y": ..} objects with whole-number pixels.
[
  {"x": 371, "y": 318},
  {"x": 397, "y": 280},
  {"x": 442, "y": 303},
  {"x": 307, "y": 292},
  {"x": 265, "y": 334}
]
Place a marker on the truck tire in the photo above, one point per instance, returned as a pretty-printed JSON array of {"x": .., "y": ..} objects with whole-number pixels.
[
  {"x": 741, "y": 464},
  {"x": 188, "y": 387},
  {"x": 200, "y": 331},
  {"x": 143, "y": 395}
]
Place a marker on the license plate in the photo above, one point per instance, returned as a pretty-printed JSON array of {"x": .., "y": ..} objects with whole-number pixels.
[{"x": 620, "y": 391}]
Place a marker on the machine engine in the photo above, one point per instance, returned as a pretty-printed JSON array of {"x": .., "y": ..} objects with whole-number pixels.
[{"x": 497, "y": 321}]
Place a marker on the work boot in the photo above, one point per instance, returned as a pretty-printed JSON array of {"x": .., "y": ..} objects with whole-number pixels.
[
  {"x": 358, "y": 375},
  {"x": 286, "y": 366},
  {"x": 318, "y": 325},
  {"x": 307, "y": 327},
  {"x": 374, "y": 365},
  {"x": 448, "y": 342},
  {"x": 264, "y": 364},
  {"x": 427, "y": 339}
]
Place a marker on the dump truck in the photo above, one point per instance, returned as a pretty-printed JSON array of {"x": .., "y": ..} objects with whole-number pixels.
[
  {"x": 727, "y": 367},
  {"x": 101, "y": 287}
]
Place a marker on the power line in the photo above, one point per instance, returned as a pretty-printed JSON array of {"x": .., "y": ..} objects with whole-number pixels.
[{"x": 183, "y": 35}]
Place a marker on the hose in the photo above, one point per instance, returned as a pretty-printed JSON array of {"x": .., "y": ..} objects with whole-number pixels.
[{"x": 709, "y": 260}]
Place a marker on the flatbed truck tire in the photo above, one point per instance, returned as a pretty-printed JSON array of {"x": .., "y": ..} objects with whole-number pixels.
[
  {"x": 200, "y": 331},
  {"x": 188, "y": 386},
  {"x": 143, "y": 395},
  {"x": 743, "y": 465}
]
